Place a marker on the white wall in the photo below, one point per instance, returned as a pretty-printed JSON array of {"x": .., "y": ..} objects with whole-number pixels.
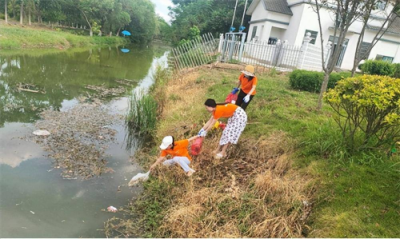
[
  {"x": 277, "y": 32},
  {"x": 309, "y": 21},
  {"x": 259, "y": 12},
  {"x": 294, "y": 24}
]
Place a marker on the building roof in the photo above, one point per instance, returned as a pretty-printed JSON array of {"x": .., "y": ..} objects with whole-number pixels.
[
  {"x": 394, "y": 29},
  {"x": 279, "y": 6}
]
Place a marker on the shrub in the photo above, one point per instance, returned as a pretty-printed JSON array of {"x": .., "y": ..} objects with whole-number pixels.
[
  {"x": 375, "y": 67},
  {"x": 311, "y": 80},
  {"x": 367, "y": 110},
  {"x": 396, "y": 73}
]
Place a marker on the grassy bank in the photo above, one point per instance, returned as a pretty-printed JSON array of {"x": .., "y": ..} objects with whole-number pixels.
[
  {"x": 15, "y": 37},
  {"x": 288, "y": 176}
]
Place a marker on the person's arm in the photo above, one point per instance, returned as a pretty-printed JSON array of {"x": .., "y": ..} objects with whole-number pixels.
[
  {"x": 252, "y": 90},
  {"x": 209, "y": 124},
  {"x": 193, "y": 138},
  {"x": 159, "y": 160},
  {"x": 239, "y": 83}
]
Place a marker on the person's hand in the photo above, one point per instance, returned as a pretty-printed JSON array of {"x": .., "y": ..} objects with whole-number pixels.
[
  {"x": 235, "y": 90},
  {"x": 203, "y": 133},
  {"x": 152, "y": 167},
  {"x": 200, "y": 132},
  {"x": 246, "y": 99}
]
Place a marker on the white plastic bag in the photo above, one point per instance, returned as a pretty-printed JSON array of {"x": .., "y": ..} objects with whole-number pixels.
[
  {"x": 41, "y": 132},
  {"x": 140, "y": 177}
]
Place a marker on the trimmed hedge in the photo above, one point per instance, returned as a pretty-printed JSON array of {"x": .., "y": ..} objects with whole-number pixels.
[
  {"x": 312, "y": 80},
  {"x": 396, "y": 73},
  {"x": 378, "y": 67}
]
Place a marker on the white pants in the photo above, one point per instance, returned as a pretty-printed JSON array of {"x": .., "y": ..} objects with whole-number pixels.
[{"x": 182, "y": 161}]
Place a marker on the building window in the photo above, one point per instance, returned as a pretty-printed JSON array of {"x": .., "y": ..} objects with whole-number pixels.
[
  {"x": 313, "y": 36},
  {"x": 384, "y": 58},
  {"x": 253, "y": 33},
  {"x": 364, "y": 49},
  {"x": 334, "y": 41}
]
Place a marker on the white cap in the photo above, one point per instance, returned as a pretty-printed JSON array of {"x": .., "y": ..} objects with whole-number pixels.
[{"x": 167, "y": 141}]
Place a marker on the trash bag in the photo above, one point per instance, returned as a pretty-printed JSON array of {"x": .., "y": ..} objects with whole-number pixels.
[
  {"x": 231, "y": 98},
  {"x": 196, "y": 146},
  {"x": 140, "y": 177}
]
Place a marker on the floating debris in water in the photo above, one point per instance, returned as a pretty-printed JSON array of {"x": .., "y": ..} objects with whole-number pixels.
[
  {"x": 112, "y": 209},
  {"x": 103, "y": 92},
  {"x": 125, "y": 82},
  {"x": 78, "y": 139},
  {"x": 29, "y": 88},
  {"x": 41, "y": 132}
]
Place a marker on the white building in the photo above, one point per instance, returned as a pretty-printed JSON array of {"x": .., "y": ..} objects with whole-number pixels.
[{"x": 292, "y": 19}]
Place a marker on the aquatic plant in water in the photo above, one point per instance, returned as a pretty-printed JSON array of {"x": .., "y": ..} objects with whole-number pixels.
[{"x": 141, "y": 118}]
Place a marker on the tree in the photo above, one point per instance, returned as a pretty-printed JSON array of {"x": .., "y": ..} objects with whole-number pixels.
[
  {"x": 163, "y": 29},
  {"x": 30, "y": 6},
  {"x": 143, "y": 20},
  {"x": 345, "y": 13},
  {"x": 21, "y": 15},
  {"x": 117, "y": 18},
  {"x": 370, "y": 5},
  {"x": 213, "y": 16},
  {"x": 5, "y": 11}
]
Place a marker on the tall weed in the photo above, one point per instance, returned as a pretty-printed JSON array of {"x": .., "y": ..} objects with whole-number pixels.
[{"x": 141, "y": 117}]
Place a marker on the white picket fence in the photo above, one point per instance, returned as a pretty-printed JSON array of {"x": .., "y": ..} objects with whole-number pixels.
[{"x": 281, "y": 55}]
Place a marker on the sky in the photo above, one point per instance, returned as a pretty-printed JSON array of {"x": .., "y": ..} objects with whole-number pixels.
[{"x": 162, "y": 8}]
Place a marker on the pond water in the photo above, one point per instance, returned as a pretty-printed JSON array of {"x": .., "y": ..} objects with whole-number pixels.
[{"x": 35, "y": 201}]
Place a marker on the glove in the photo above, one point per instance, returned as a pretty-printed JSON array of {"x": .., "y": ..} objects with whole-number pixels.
[
  {"x": 201, "y": 132},
  {"x": 235, "y": 90},
  {"x": 246, "y": 99}
]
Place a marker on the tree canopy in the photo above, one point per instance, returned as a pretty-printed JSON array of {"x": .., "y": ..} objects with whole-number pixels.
[
  {"x": 213, "y": 16},
  {"x": 97, "y": 16}
]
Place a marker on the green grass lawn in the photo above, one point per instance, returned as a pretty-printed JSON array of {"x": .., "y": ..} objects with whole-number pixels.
[{"x": 14, "y": 37}]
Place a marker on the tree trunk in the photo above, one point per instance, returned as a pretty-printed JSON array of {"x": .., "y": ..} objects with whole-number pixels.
[
  {"x": 5, "y": 11},
  {"x": 323, "y": 89},
  {"x": 29, "y": 17},
  {"x": 39, "y": 15},
  {"x": 21, "y": 15},
  {"x": 91, "y": 32},
  {"x": 119, "y": 29}
]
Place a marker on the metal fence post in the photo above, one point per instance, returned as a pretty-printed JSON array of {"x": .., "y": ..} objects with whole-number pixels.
[{"x": 242, "y": 46}]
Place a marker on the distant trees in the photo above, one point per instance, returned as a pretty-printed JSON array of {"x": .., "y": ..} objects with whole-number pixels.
[
  {"x": 97, "y": 16},
  {"x": 213, "y": 16}
]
